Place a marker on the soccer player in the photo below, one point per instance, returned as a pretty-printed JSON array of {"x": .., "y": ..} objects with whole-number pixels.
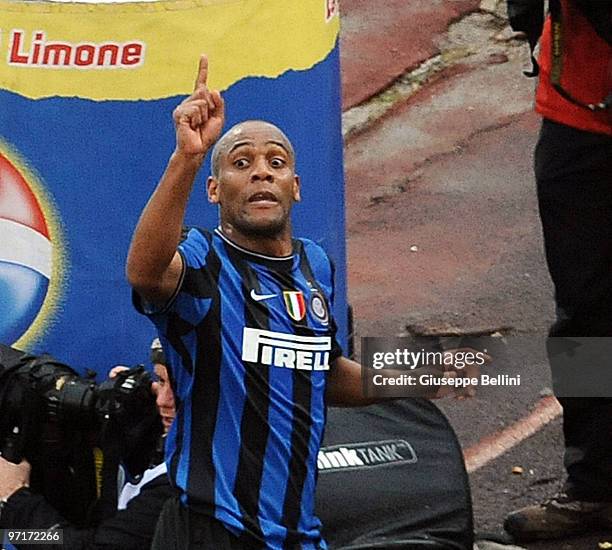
[{"x": 244, "y": 315}]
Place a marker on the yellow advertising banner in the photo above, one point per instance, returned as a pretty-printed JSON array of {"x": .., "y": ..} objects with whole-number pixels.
[{"x": 147, "y": 50}]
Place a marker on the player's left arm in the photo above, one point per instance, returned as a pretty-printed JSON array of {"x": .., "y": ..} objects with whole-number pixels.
[{"x": 345, "y": 384}]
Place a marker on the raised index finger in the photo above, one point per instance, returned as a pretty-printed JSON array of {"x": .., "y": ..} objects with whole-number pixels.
[{"x": 202, "y": 72}]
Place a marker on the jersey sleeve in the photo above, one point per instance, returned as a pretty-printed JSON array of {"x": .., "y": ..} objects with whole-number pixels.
[
  {"x": 336, "y": 350},
  {"x": 193, "y": 249},
  {"x": 323, "y": 270}
]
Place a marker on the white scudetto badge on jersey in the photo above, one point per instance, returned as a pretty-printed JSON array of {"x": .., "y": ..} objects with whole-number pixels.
[{"x": 295, "y": 304}]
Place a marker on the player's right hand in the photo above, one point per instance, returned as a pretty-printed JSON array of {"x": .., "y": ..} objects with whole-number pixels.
[{"x": 199, "y": 119}]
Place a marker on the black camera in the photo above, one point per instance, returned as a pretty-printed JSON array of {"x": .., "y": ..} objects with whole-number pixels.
[{"x": 73, "y": 431}]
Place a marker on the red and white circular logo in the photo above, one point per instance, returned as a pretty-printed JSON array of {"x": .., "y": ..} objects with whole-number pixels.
[{"x": 25, "y": 253}]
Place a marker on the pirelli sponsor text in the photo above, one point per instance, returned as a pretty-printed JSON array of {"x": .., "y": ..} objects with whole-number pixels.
[{"x": 279, "y": 349}]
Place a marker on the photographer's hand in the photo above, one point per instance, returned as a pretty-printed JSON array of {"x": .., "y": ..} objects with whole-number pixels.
[
  {"x": 13, "y": 477},
  {"x": 116, "y": 370}
]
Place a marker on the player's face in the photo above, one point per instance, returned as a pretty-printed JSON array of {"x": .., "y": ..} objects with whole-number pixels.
[
  {"x": 164, "y": 398},
  {"x": 257, "y": 184}
]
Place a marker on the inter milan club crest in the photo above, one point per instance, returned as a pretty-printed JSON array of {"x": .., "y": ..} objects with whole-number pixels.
[
  {"x": 319, "y": 307},
  {"x": 295, "y": 304}
]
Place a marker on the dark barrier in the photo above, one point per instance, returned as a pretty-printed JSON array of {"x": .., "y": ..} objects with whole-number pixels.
[{"x": 392, "y": 476}]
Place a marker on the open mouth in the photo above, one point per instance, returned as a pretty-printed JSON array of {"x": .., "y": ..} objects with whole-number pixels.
[{"x": 263, "y": 198}]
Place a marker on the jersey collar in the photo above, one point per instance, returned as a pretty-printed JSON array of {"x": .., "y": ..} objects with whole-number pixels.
[{"x": 279, "y": 261}]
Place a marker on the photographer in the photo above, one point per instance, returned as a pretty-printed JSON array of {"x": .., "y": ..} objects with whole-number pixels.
[
  {"x": 573, "y": 168},
  {"x": 139, "y": 504}
]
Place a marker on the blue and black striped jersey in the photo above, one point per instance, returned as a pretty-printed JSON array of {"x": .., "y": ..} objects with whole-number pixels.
[{"x": 250, "y": 339}]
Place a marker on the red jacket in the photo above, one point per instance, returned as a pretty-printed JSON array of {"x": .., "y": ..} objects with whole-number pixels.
[{"x": 586, "y": 74}]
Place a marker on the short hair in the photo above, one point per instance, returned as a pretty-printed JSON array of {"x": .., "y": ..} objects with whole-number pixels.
[{"x": 218, "y": 149}]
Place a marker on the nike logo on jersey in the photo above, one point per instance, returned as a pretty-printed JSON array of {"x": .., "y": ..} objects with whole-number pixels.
[{"x": 260, "y": 297}]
